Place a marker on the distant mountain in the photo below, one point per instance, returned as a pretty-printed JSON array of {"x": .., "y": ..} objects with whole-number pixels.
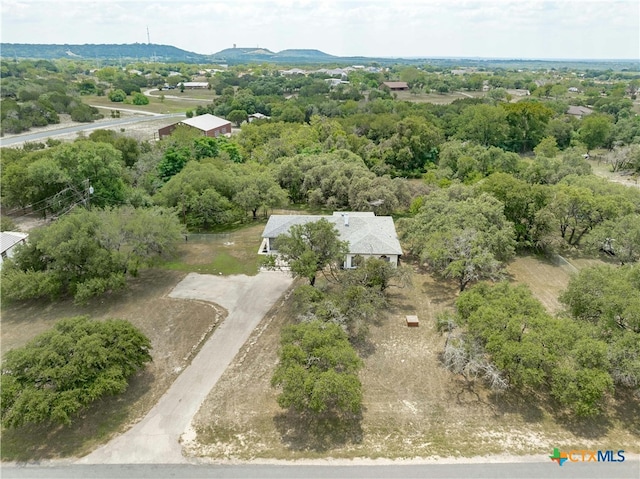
[
  {"x": 130, "y": 51},
  {"x": 314, "y": 54},
  {"x": 233, "y": 56},
  {"x": 258, "y": 55}
]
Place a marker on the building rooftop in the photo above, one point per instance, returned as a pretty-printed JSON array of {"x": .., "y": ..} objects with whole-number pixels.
[
  {"x": 8, "y": 239},
  {"x": 205, "y": 122},
  {"x": 365, "y": 232}
]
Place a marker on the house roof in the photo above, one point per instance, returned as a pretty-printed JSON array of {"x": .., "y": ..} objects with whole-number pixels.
[
  {"x": 8, "y": 239},
  {"x": 579, "y": 110},
  {"x": 205, "y": 122},
  {"x": 365, "y": 232},
  {"x": 396, "y": 84},
  {"x": 202, "y": 84}
]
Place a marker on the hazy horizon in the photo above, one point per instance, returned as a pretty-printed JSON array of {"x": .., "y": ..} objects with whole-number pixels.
[{"x": 480, "y": 29}]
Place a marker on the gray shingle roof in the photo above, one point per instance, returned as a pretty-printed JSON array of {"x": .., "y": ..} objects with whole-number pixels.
[{"x": 366, "y": 233}]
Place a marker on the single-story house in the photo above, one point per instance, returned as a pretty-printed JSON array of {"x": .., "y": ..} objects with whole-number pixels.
[
  {"x": 193, "y": 85},
  {"x": 396, "y": 85},
  {"x": 258, "y": 116},
  {"x": 8, "y": 241},
  {"x": 579, "y": 111},
  {"x": 369, "y": 236},
  {"x": 208, "y": 124}
]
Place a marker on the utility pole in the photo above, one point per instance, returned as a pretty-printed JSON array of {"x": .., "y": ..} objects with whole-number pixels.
[{"x": 88, "y": 191}]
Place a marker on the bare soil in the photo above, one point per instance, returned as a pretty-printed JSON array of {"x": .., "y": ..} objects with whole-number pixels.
[{"x": 413, "y": 407}]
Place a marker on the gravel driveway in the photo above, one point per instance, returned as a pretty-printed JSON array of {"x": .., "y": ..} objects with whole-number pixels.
[{"x": 155, "y": 439}]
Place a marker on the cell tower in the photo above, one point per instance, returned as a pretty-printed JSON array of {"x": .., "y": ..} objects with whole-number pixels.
[{"x": 153, "y": 57}]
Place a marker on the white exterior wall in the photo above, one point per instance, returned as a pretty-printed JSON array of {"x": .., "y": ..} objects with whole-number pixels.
[{"x": 348, "y": 263}]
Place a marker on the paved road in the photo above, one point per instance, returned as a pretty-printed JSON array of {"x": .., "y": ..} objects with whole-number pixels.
[
  {"x": 155, "y": 439},
  {"x": 82, "y": 127},
  {"x": 536, "y": 470}
]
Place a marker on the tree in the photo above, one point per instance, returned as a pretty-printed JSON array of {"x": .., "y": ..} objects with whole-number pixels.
[
  {"x": 317, "y": 370},
  {"x": 527, "y": 122},
  {"x": 534, "y": 350},
  {"x": 117, "y": 96},
  {"x": 64, "y": 370},
  {"x": 237, "y": 117},
  {"x": 59, "y": 178},
  {"x": 466, "y": 240},
  {"x": 595, "y": 131},
  {"x": 523, "y": 206},
  {"x": 548, "y": 147},
  {"x": 413, "y": 145},
  {"x": 201, "y": 194},
  {"x": 255, "y": 190},
  {"x": 309, "y": 248},
  {"x": 618, "y": 238},
  {"x": 485, "y": 124},
  {"x": 129, "y": 147},
  {"x": 87, "y": 253},
  {"x": 140, "y": 99},
  {"x": 607, "y": 297}
]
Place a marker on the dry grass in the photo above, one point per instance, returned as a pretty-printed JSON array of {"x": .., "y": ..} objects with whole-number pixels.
[
  {"x": 175, "y": 327},
  {"x": 413, "y": 407},
  {"x": 436, "y": 98}
]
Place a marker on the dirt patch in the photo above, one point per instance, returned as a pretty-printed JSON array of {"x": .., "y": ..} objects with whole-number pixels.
[
  {"x": 603, "y": 169},
  {"x": 545, "y": 278},
  {"x": 175, "y": 327}
]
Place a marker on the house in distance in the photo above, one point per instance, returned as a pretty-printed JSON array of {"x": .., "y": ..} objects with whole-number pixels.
[
  {"x": 369, "y": 236},
  {"x": 396, "y": 85},
  {"x": 8, "y": 241},
  {"x": 208, "y": 124}
]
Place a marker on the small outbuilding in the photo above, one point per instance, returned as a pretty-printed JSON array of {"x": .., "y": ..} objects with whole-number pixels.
[
  {"x": 412, "y": 321},
  {"x": 208, "y": 124}
]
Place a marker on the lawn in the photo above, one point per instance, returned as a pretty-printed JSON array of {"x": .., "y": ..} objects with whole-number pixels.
[
  {"x": 413, "y": 407},
  {"x": 235, "y": 252}
]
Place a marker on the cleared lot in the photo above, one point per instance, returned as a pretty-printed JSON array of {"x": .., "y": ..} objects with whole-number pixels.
[{"x": 413, "y": 407}]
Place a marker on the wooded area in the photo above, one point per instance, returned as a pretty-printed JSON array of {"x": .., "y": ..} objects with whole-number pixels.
[{"x": 473, "y": 183}]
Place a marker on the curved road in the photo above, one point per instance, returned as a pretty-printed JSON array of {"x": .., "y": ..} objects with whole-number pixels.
[{"x": 36, "y": 136}]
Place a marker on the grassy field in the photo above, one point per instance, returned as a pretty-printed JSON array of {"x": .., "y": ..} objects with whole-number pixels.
[
  {"x": 413, "y": 407},
  {"x": 437, "y": 98},
  {"x": 173, "y": 102},
  {"x": 234, "y": 252}
]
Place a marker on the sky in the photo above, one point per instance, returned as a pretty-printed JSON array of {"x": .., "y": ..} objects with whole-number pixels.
[{"x": 563, "y": 29}]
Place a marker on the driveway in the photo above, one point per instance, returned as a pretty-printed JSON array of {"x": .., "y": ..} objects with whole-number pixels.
[{"x": 155, "y": 439}]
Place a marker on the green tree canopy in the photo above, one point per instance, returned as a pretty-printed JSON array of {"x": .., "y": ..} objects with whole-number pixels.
[
  {"x": 87, "y": 253},
  {"x": 466, "y": 240},
  {"x": 317, "y": 370},
  {"x": 534, "y": 350},
  {"x": 527, "y": 124},
  {"x": 64, "y": 370},
  {"x": 595, "y": 130},
  {"x": 309, "y": 248}
]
